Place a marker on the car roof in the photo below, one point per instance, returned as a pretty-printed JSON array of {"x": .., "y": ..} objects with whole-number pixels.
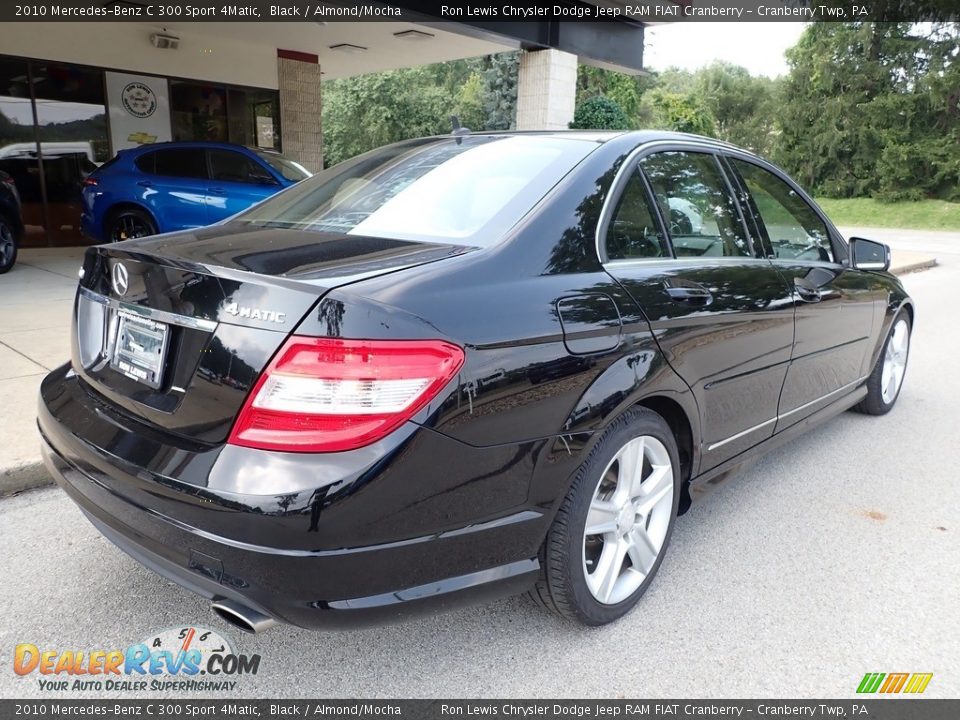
[
  {"x": 636, "y": 137},
  {"x": 176, "y": 144}
]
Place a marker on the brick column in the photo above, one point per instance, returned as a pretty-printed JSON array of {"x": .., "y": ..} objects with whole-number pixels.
[
  {"x": 546, "y": 90},
  {"x": 300, "y": 123}
]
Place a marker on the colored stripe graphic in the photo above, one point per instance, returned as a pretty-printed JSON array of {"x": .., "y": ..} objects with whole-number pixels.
[
  {"x": 894, "y": 682},
  {"x": 918, "y": 682},
  {"x": 870, "y": 682},
  {"x": 913, "y": 683}
]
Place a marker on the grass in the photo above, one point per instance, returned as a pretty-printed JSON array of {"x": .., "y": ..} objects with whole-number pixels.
[{"x": 914, "y": 215}]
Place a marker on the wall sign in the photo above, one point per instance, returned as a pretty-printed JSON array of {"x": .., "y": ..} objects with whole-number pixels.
[{"x": 139, "y": 110}]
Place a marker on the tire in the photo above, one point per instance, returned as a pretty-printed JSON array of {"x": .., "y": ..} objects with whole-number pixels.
[
  {"x": 567, "y": 586},
  {"x": 881, "y": 396},
  {"x": 128, "y": 223},
  {"x": 8, "y": 245}
]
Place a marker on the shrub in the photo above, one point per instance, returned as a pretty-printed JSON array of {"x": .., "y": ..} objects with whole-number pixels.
[{"x": 600, "y": 113}]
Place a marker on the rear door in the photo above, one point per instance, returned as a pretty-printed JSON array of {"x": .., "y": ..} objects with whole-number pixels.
[
  {"x": 236, "y": 183},
  {"x": 723, "y": 316},
  {"x": 174, "y": 187},
  {"x": 834, "y": 305}
]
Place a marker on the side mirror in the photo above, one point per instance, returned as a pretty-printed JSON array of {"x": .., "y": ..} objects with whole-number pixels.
[{"x": 869, "y": 254}]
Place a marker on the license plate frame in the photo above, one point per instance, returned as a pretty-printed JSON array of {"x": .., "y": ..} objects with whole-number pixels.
[{"x": 140, "y": 349}]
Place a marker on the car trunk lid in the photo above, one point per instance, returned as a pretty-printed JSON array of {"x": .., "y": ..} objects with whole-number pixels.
[{"x": 175, "y": 329}]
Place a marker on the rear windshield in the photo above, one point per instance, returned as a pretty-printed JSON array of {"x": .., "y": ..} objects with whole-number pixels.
[
  {"x": 466, "y": 191},
  {"x": 287, "y": 168}
]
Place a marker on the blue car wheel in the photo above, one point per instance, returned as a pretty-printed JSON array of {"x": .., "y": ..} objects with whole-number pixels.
[{"x": 130, "y": 223}]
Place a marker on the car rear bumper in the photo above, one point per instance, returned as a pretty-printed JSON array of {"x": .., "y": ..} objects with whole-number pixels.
[{"x": 300, "y": 585}]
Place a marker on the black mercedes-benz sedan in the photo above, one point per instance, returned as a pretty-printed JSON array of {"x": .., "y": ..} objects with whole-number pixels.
[{"x": 461, "y": 367}]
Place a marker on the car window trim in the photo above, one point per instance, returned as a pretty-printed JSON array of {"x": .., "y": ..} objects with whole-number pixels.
[
  {"x": 158, "y": 151},
  {"x": 620, "y": 179},
  {"x": 762, "y": 225},
  {"x": 730, "y": 191},
  {"x": 837, "y": 241},
  {"x": 208, "y": 152},
  {"x": 615, "y": 196},
  {"x": 751, "y": 212}
]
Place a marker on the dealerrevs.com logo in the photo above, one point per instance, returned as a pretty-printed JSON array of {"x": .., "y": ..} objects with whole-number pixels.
[{"x": 186, "y": 659}]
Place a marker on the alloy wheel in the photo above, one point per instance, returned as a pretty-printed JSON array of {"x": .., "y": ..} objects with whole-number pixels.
[
  {"x": 628, "y": 519},
  {"x": 895, "y": 361},
  {"x": 129, "y": 227},
  {"x": 7, "y": 244}
]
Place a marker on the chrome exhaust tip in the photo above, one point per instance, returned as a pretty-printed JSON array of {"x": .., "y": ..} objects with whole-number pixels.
[{"x": 241, "y": 617}]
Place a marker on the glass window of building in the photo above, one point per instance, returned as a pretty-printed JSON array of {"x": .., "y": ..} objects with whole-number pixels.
[
  {"x": 72, "y": 126},
  {"x": 254, "y": 118},
  {"x": 18, "y": 147},
  {"x": 198, "y": 111}
]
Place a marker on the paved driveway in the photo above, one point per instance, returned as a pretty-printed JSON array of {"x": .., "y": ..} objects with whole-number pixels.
[{"x": 833, "y": 556}]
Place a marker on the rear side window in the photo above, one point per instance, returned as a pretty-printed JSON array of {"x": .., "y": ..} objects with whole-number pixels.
[
  {"x": 696, "y": 204},
  {"x": 633, "y": 232},
  {"x": 182, "y": 162},
  {"x": 793, "y": 228},
  {"x": 147, "y": 162},
  {"x": 231, "y": 166}
]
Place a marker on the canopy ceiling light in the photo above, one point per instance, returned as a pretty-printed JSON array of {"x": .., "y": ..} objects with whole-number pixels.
[
  {"x": 348, "y": 48},
  {"x": 413, "y": 35}
]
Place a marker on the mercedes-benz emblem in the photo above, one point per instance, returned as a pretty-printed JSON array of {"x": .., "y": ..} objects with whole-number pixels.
[{"x": 121, "y": 279}]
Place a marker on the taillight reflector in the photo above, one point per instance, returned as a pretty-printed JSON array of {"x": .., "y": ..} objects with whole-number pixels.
[{"x": 330, "y": 395}]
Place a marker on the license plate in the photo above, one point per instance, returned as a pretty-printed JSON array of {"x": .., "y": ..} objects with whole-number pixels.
[{"x": 141, "y": 349}]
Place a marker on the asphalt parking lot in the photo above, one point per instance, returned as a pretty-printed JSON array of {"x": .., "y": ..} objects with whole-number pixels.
[{"x": 834, "y": 556}]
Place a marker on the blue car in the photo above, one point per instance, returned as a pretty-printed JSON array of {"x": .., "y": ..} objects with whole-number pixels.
[{"x": 179, "y": 185}]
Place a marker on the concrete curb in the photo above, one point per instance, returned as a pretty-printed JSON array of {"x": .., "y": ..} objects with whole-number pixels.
[
  {"x": 915, "y": 266},
  {"x": 26, "y": 476}
]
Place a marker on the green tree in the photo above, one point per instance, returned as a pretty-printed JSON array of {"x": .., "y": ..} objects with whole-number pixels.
[
  {"x": 743, "y": 107},
  {"x": 872, "y": 108},
  {"x": 468, "y": 104},
  {"x": 500, "y": 75},
  {"x": 367, "y": 111},
  {"x": 600, "y": 113},
  {"x": 682, "y": 112}
]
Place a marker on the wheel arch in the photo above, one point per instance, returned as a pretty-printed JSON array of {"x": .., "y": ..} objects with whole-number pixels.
[
  {"x": 111, "y": 212},
  {"x": 14, "y": 221},
  {"x": 642, "y": 378},
  {"x": 676, "y": 417},
  {"x": 908, "y": 306}
]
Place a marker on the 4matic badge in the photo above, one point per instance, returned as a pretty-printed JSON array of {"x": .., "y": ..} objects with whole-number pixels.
[{"x": 255, "y": 313}]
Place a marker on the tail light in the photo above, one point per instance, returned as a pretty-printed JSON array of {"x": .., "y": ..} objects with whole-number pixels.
[
  {"x": 329, "y": 395},
  {"x": 91, "y": 180}
]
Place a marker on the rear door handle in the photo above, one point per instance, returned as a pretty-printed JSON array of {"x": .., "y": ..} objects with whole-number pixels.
[
  {"x": 807, "y": 291},
  {"x": 688, "y": 292},
  {"x": 144, "y": 183}
]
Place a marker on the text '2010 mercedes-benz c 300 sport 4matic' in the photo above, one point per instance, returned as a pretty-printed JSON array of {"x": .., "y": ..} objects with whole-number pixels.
[{"x": 461, "y": 367}]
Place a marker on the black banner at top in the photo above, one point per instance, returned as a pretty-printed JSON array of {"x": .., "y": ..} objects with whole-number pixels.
[
  {"x": 520, "y": 709},
  {"x": 479, "y": 10}
]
